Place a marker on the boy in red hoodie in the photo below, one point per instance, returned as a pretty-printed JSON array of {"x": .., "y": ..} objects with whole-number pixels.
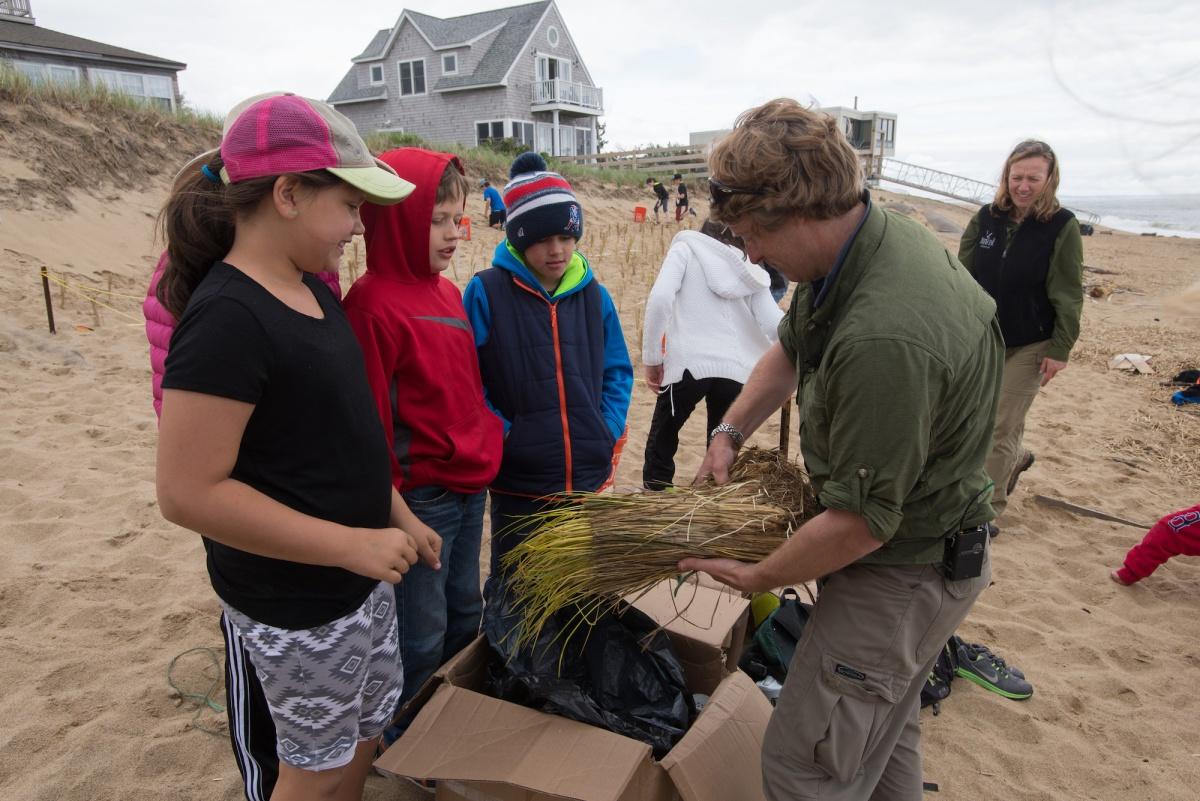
[
  {"x": 424, "y": 372},
  {"x": 1177, "y": 534}
]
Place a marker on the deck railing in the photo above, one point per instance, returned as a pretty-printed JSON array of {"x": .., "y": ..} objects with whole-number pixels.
[
  {"x": 570, "y": 93},
  {"x": 15, "y": 8}
]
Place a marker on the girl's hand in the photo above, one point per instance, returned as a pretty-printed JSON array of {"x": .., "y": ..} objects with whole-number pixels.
[
  {"x": 380, "y": 553},
  {"x": 427, "y": 543}
]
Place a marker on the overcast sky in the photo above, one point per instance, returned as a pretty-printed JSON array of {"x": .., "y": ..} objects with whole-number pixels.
[{"x": 1114, "y": 87}]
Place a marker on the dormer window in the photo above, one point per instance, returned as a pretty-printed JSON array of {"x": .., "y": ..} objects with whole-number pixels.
[
  {"x": 449, "y": 63},
  {"x": 376, "y": 74}
]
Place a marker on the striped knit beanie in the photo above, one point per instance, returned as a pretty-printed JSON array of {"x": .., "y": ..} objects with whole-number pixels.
[{"x": 540, "y": 203}]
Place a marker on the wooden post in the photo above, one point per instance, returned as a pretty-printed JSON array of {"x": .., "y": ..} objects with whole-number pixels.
[
  {"x": 785, "y": 427},
  {"x": 49, "y": 305},
  {"x": 96, "y": 313}
]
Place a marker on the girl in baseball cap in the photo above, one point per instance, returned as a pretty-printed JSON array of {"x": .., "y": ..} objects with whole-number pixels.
[{"x": 270, "y": 445}]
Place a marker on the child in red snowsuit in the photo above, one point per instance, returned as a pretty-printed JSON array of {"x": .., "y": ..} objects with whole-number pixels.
[{"x": 1176, "y": 534}]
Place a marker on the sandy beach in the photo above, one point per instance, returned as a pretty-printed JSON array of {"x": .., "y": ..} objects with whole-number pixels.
[{"x": 98, "y": 594}]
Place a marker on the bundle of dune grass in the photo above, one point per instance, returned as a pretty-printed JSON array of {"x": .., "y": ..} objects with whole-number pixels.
[{"x": 596, "y": 549}]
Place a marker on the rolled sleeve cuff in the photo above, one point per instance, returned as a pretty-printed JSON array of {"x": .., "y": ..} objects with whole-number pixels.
[
  {"x": 882, "y": 518},
  {"x": 1060, "y": 353}
]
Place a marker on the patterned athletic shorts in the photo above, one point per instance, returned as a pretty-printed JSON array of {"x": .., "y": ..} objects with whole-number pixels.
[{"x": 331, "y": 686}]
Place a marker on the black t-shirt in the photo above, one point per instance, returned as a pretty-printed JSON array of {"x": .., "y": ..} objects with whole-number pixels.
[
  {"x": 313, "y": 442},
  {"x": 683, "y": 196},
  {"x": 660, "y": 190}
]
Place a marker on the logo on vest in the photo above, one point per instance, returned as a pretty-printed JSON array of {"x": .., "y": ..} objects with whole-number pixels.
[{"x": 988, "y": 241}]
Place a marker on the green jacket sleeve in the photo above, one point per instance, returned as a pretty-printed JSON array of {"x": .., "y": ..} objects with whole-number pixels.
[
  {"x": 1064, "y": 288},
  {"x": 966, "y": 245}
]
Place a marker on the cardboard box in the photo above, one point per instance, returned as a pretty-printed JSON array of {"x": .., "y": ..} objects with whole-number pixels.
[
  {"x": 480, "y": 748},
  {"x": 707, "y": 625}
]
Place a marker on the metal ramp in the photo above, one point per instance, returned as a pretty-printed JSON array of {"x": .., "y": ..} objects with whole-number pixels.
[{"x": 946, "y": 184}]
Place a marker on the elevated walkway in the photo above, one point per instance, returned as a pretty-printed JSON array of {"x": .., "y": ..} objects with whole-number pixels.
[{"x": 946, "y": 184}]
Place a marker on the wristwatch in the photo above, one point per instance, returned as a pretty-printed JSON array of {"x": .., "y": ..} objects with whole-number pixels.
[{"x": 725, "y": 428}]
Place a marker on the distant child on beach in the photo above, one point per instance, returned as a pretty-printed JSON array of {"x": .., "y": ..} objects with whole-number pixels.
[
  {"x": 493, "y": 204},
  {"x": 553, "y": 357},
  {"x": 660, "y": 194},
  {"x": 682, "y": 204},
  {"x": 270, "y": 445},
  {"x": 1177, "y": 534},
  {"x": 445, "y": 443}
]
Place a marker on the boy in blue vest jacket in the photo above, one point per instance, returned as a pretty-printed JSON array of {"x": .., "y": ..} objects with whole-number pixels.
[{"x": 553, "y": 358}]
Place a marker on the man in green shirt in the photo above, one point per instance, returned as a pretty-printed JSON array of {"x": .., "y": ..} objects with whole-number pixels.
[{"x": 897, "y": 355}]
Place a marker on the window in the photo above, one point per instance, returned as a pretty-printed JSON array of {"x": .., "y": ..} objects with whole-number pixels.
[
  {"x": 583, "y": 142},
  {"x": 412, "y": 77},
  {"x": 376, "y": 74},
  {"x": 48, "y": 73},
  {"x": 552, "y": 36},
  {"x": 487, "y": 131},
  {"x": 450, "y": 63},
  {"x": 154, "y": 89},
  {"x": 523, "y": 132},
  {"x": 888, "y": 128}
]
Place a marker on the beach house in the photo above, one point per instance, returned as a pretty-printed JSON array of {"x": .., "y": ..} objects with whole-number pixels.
[
  {"x": 507, "y": 73},
  {"x": 872, "y": 134},
  {"x": 43, "y": 55}
]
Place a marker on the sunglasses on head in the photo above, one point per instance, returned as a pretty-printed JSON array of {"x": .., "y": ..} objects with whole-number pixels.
[{"x": 720, "y": 192}]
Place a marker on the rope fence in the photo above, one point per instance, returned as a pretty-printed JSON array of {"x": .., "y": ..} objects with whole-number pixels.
[{"x": 91, "y": 294}]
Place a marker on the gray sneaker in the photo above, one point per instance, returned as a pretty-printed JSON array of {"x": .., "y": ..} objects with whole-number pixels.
[{"x": 978, "y": 664}]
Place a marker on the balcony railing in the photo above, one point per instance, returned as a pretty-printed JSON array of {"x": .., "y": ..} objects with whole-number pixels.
[
  {"x": 15, "y": 8},
  {"x": 568, "y": 93}
]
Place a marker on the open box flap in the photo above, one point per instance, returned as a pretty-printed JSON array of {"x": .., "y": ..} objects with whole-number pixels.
[
  {"x": 464, "y": 735},
  {"x": 699, "y": 613},
  {"x": 720, "y": 756}
]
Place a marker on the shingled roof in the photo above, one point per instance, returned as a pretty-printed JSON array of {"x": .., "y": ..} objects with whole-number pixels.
[
  {"x": 35, "y": 39},
  {"x": 516, "y": 25}
]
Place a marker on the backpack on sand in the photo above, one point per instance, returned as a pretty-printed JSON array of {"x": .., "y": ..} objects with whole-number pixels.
[{"x": 937, "y": 684}]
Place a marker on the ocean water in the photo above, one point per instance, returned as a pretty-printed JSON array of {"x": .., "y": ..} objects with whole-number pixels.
[{"x": 1165, "y": 215}]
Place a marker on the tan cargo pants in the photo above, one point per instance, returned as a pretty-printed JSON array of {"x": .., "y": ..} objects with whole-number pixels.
[
  {"x": 845, "y": 727},
  {"x": 1017, "y": 391}
]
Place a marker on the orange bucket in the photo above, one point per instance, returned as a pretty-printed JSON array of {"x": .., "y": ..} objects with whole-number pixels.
[
  {"x": 639, "y": 213},
  {"x": 464, "y": 228}
]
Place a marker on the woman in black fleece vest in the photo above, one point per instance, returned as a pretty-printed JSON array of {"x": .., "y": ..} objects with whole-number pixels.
[{"x": 1026, "y": 251}]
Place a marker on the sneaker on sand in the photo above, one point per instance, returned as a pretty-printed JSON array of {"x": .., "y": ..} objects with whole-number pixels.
[
  {"x": 978, "y": 664},
  {"x": 1024, "y": 463}
]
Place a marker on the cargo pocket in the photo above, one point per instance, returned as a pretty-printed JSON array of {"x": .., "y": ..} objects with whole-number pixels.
[{"x": 862, "y": 704}]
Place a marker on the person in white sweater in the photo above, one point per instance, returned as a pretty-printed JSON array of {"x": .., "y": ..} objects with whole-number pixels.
[{"x": 709, "y": 317}]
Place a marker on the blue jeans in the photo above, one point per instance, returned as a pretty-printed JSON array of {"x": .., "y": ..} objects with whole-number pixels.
[{"x": 438, "y": 611}]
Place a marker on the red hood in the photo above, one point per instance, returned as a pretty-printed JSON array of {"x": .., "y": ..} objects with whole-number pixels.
[{"x": 397, "y": 236}]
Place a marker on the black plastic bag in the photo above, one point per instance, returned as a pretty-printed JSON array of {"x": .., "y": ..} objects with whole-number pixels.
[{"x": 619, "y": 674}]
